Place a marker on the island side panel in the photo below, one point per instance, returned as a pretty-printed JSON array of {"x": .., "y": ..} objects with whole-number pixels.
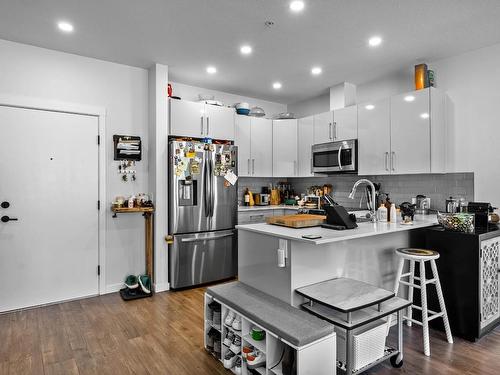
[
  {"x": 368, "y": 259},
  {"x": 258, "y": 265}
]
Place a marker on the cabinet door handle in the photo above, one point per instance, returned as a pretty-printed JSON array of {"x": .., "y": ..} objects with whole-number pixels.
[
  {"x": 330, "y": 131},
  {"x": 253, "y": 166},
  {"x": 312, "y": 166},
  {"x": 334, "y": 130},
  {"x": 252, "y": 217},
  {"x": 208, "y": 125},
  {"x": 393, "y": 158},
  {"x": 248, "y": 166},
  {"x": 387, "y": 161},
  {"x": 201, "y": 129}
]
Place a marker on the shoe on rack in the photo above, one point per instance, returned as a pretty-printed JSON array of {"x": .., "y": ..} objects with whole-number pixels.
[
  {"x": 256, "y": 359},
  {"x": 131, "y": 282},
  {"x": 237, "y": 366},
  {"x": 217, "y": 317},
  {"x": 145, "y": 283},
  {"x": 236, "y": 345},
  {"x": 210, "y": 342},
  {"x": 247, "y": 349},
  {"x": 229, "y": 318},
  {"x": 217, "y": 348},
  {"x": 230, "y": 360},
  {"x": 236, "y": 323},
  {"x": 228, "y": 340}
]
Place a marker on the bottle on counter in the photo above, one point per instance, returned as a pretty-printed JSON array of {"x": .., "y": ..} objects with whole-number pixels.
[
  {"x": 387, "y": 205},
  {"x": 393, "y": 214},
  {"x": 246, "y": 198},
  {"x": 382, "y": 213},
  {"x": 131, "y": 201}
]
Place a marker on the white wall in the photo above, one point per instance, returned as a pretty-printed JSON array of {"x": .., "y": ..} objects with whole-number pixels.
[
  {"x": 188, "y": 92},
  {"x": 310, "y": 106},
  {"x": 123, "y": 92}
]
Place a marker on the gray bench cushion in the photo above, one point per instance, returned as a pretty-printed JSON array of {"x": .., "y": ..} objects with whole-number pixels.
[{"x": 297, "y": 327}]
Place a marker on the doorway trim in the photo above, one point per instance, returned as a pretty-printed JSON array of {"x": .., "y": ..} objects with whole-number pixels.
[{"x": 27, "y": 102}]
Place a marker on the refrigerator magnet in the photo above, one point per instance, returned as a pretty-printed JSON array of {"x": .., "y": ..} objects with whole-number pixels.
[
  {"x": 195, "y": 167},
  {"x": 230, "y": 177}
]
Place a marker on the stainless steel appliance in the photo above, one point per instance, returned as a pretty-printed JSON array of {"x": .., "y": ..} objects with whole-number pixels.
[
  {"x": 423, "y": 204},
  {"x": 202, "y": 213},
  {"x": 335, "y": 157}
]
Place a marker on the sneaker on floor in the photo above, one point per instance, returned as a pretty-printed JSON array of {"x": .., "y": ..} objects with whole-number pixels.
[
  {"x": 237, "y": 366},
  {"x": 131, "y": 282},
  {"x": 229, "y": 318},
  {"x": 228, "y": 340},
  {"x": 230, "y": 359},
  {"x": 145, "y": 283},
  {"x": 247, "y": 349},
  {"x": 256, "y": 359},
  {"x": 236, "y": 345},
  {"x": 236, "y": 323}
]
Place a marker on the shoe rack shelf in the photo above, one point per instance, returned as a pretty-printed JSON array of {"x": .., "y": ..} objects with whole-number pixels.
[{"x": 272, "y": 346}]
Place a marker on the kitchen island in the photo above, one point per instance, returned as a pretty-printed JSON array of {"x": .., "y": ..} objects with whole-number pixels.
[{"x": 365, "y": 253}]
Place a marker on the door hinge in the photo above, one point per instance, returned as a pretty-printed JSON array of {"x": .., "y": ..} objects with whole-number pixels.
[
  {"x": 98, "y": 270},
  {"x": 99, "y": 205},
  {"x": 98, "y": 139}
]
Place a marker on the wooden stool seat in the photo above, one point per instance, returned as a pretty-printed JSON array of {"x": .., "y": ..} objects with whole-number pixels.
[{"x": 421, "y": 256}]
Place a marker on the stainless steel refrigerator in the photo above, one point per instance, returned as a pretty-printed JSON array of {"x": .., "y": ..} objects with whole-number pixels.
[{"x": 202, "y": 213}]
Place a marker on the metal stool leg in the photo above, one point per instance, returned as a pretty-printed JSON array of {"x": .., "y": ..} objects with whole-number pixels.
[
  {"x": 447, "y": 329},
  {"x": 410, "y": 292},
  {"x": 425, "y": 314},
  {"x": 396, "y": 289}
]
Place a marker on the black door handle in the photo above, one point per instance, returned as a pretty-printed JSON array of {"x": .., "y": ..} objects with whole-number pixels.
[
  {"x": 5, "y": 204},
  {"x": 6, "y": 219}
]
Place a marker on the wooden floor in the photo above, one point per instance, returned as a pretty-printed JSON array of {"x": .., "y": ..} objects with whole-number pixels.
[{"x": 164, "y": 335}]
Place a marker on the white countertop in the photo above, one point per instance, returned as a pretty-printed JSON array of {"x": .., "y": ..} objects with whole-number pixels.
[
  {"x": 329, "y": 235},
  {"x": 268, "y": 207}
]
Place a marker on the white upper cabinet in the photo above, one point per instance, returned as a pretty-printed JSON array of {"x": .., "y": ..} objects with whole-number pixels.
[
  {"x": 345, "y": 123},
  {"x": 261, "y": 147},
  {"x": 285, "y": 148},
  {"x": 323, "y": 127},
  {"x": 242, "y": 139},
  {"x": 187, "y": 118},
  {"x": 192, "y": 119},
  {"x": 374, "y": 137},
  {"x": 410, "y": 133},
  {"x": 305, "y": 140},
  {"x": 219, "y": 122}
]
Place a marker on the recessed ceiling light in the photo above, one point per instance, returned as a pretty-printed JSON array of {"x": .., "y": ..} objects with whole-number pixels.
[
  {"x": 276, "y": 85},
  {"x": 375, "y": 41},
  {"x": 369, "y": 107},
  {"x": 246, "y": 50},
  {"x": 409, "y": 98},
  {"x": 297, "y": 6},
  {"x": 424, "y": 115},
  {"x": 211, "y": 69},
  {"x": 65, "y": 26},
  {"x": 316, "y": 70}
]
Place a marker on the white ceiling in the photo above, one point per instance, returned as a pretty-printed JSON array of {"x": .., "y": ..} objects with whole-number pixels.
[{"x": 188, "y": 35}]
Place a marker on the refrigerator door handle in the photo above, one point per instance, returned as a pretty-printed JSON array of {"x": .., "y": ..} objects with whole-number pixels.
[
  {"x": 212, "y": 195},
  {"x": 205, "y": 190},
  {"x": 207, "y": 238}
]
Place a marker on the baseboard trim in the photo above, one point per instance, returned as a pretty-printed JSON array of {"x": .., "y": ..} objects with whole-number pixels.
[
  {"x": 112, "y": 288},
  {"x": 162, "y": 287}
]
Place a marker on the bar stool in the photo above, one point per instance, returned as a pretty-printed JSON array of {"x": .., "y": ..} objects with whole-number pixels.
[{"x": 421, "y": 256}]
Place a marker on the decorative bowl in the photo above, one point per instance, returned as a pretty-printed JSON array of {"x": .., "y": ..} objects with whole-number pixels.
[
  {"x": 459, "y": 222},
  {"x": 242, "y": 111}
]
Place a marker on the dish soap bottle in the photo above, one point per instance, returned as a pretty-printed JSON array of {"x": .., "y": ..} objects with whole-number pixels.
[
  {"x": 246, "y": 198},
  {"x": 382, "y": 213},
  {"x": 393, "y": 214}
]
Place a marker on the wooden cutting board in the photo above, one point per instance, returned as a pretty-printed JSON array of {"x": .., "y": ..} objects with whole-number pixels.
[{"x": 297, "y": 221}]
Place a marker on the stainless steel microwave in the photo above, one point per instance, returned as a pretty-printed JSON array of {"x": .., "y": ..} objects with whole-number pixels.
[{"x": 335, "y": 157}]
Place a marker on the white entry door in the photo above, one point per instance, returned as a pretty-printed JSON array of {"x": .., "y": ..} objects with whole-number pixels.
[{"x": 49, "y": 181}]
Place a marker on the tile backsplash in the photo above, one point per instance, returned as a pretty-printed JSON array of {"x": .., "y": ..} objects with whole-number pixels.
[{"x": 401, "y": 188}]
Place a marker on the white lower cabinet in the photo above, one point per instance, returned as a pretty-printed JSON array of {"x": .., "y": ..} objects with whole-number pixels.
[
  {"x": 285, "y": 148},
  {"x": 305, "y": 140},
  {"x": 253, "y": 136},
  {"x": 405, "y": 134}
]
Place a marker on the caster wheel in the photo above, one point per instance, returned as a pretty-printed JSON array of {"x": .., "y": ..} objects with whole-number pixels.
[{"x": 396, "y": 362}]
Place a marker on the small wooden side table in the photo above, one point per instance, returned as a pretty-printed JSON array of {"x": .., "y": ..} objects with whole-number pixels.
[{"x": 147, "y": 212}]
